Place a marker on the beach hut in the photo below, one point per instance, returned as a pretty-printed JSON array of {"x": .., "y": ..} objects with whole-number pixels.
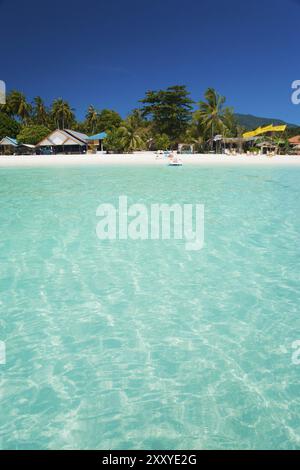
[
  {"x": 63, "y": 141},
  {"x": 295, "y": 143},
  {"x": 186, "y": 148},
  {"x": 296, "y": 149},
  {"x": 295, "y": 140},
  {"x": 95, "y": 142},
  {"x": 25, "y": 149},
  {"x": 267, "y": 148},
  {"x": 8, "y": 146},
  {"x": 232, "y": 144}
]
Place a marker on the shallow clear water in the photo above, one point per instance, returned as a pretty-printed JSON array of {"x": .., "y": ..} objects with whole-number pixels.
[{"x": 142, "y": 344}]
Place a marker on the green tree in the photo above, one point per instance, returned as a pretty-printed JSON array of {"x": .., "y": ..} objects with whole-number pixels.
[
  {"x": 283, "y": 146},
  {"x": 40, "y": 113},
  {"x": 231, "y": 127},
  {"x": 6, "y": 109},
  {"x": 162, "y": 142},
  {"x": 18, "y": 106},
  {"x": 8, "y": 126},
  {"x": 33, "y": 134},
  {"x": 196, "y": 136},
  {"x": 62, "y": 114},
  {"x": 139, "y": 126},
  {"x": 131, "y": 139},
  {"x": 211, "y": 113},
  {"x": 197, "y": 133},
  {"x": 114, "y": 140},
  {"x": 136, "y": 120},
  {"x": 292, "y": 131},
  {"x": 170, "y": 110},
  {"x": 91, "y": 119},
  {"x": 108, "y": 120},
  {"x": 80, "y": 127}
]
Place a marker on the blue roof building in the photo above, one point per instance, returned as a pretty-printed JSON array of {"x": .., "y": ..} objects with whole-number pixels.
[
  {"x": 97, "y": 141},
  {"x": 99, "y": 136}
]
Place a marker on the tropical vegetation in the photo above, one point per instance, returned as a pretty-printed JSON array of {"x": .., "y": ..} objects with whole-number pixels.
[
  {"x": 33, "y": 134},
  {"x": 164, "y": 119}
]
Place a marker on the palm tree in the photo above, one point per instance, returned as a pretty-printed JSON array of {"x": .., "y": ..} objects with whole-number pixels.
[
  {"x": 19, "y": 106},
  {"x": 193, "y": 137},
  {"x": 135, "y": 120},
  {"x": 130, "y": 138},
  {"x": 231, "y": 128},
  {"x": 211, "y": 111},
  {"x": 281, "y": 142},
  {"x": 62, "y": 113},
  {"x": 91, "y": 118},
  {"x": 24, "y": 111},
  {"x": 40, "y": 111}
]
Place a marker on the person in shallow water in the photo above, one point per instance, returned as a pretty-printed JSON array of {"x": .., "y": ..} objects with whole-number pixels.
[{"x": 174, "y": 158}]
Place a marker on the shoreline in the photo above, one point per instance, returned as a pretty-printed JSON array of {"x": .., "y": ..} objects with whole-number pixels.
[{"x": 145, "y": 158}]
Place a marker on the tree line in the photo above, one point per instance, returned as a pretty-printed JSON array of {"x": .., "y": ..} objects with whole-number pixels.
[{"x": 163, "y": 119}]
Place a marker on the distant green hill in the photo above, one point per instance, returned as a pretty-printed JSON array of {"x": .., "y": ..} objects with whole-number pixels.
[{"x": 252, "y": 122}]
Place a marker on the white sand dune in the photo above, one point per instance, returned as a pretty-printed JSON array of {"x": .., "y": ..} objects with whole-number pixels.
[{"x": 144, "y": 158}]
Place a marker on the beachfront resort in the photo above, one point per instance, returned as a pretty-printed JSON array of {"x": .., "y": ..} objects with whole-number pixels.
[
  {"x": 70, "y": 142},
  {"x": 212, "y": 128}
]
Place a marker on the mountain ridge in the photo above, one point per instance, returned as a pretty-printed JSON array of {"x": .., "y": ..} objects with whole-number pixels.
[{"x": 249, "y": 121}]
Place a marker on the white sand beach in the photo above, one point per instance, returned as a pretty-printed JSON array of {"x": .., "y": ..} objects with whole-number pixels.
[{"x": 144, "y": 158}]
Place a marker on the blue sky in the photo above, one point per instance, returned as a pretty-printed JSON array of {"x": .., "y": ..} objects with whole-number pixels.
[{"x": 108, "y": 53}]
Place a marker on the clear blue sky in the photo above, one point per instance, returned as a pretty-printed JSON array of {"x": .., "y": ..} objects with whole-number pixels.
[{"x": 109, "y": 52}]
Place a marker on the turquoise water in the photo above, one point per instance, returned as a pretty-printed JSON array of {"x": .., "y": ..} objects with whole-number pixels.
[{"x": 142, "y": 344}]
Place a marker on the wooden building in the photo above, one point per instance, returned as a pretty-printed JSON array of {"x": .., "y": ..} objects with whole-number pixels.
[
  {"x": 8, "y": 146},
  {"x": 295, "y": 144},
  {"x": 63, "y": 141},
  {"x": 95, "y": 142}
]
